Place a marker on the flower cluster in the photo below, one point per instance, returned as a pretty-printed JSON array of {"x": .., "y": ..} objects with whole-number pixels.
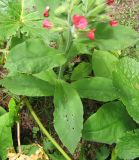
[{"x": 79, "y": 22}]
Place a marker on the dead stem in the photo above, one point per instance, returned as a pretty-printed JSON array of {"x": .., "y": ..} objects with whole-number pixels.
[{"x": 18, "y": 137}]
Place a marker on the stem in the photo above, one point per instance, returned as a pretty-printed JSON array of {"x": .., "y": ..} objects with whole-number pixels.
[
  {"x": 22, "y": 11},
  {"x": 68, "y": 45},
  {"x": 3, "y": 50},
  {"x": 18, "y": 137},
  {"x": 113, "y": 155},
  {"x": 45, "y": 132},
  {"x": 6, "y": 50}
]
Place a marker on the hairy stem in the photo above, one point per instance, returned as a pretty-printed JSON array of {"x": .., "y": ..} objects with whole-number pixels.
[
  {"x": 68, "y": 45},
  {"x": 45, "y": 132}
]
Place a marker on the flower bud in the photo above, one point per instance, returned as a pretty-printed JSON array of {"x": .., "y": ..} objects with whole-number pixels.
[
  {"x": 46, "y": 13},
  {"x": 113, "y": 23},
  {"x": 91, "y": 34}
]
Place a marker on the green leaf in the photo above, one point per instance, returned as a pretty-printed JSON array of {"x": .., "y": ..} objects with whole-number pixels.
[
  {"x": 108, "y": 124},
  {"x": 49, "y": 76},
  {"x": 103, "y": 63},
  {"x": 96, "y": 88},
  {"x": 28, "y": 85},
  {"x": 28, "y": 5},
  {"x": 78, "y": 48},
  {"x": 5, "y": 133},
  {"x": 9, "y": 18},
  {"x": 30, "y": 149},
  {"x": 137, "y": 46},
  {"x": 32, "y": 27},
  {"x": 2, "y": 111},
  {"x": 126, "y": 80},
  {"x": 41, "y": 5},
  {"x": 33, "y": 56},
  {"x": 5, "y": 140},
  {"x": 68, "y": 115},
  {"x": 13, "y": 111},
  {"x": 56, "y": 156},
  {"x": 103, "y": 153},
  {"x": 128, "y": 146},
  {"x": 113, "y": 38},
  {"x": 81, "y": 71},
  {"x": 82, "y": 154}
]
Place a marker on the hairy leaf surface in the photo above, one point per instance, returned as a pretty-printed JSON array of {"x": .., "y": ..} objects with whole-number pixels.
[
  {"x": 126, "y": 80},
  {"x": 128, "y": 146}
]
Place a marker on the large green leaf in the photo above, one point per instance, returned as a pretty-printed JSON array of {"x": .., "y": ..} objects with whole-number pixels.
[
  {"x": 68, "y": 115},
  {"x": 33, "y": 56},
  {"x": 114, "y": 38},
  {"x": 81, "y": 71},
  {"x": 128, "y": 146},
  {"x": 126, "y": 80},
  {"x": 108, "y": 124},
  {"x": 28, "y": 85},
  {"x": 15, "y": 19},
  {"x": 96, "y": 88},
  {"x": 103, "y": 63}
]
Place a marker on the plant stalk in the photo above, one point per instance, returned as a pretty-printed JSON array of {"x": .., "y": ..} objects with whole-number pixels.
[
  {"x": 45, "y": 132},
  {"x": 68, "y": 45},
  {"x": 18, "y": 137}
]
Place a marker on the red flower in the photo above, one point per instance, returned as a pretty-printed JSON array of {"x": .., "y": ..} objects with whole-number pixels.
[
  {"x": 47, "y": 24},
  {"x": 113, "y": 23},
  {"x": 46, "y": 13},
  {"x": 110, "y": 2},
  {"x": 80, "y": 22},
  {"x": 91, "y": 34}
]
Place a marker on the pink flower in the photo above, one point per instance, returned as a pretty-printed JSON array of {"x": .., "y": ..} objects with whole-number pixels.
[
  {"x": 110, "y": 2},
  {"x": 80, "y": 22},
  {"x": 46, "y": 13},
  {"x": 47, "y": 24},
  {"x": 113, "y": 23},
  {"x": 91, "y": 34}
]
